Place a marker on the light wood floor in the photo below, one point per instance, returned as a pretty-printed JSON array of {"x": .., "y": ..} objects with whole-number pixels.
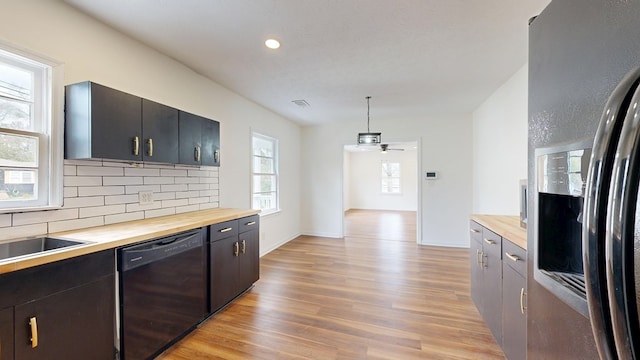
[{"x": 371, "y": 295}]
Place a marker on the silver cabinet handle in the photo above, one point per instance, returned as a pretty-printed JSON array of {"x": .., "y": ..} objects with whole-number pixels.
[
  {"x": 197, "y": 153},
  {"x": 596, "y": 197},
  {"x": 150, "y": 142},
  {"x": 489, "y": 241},
  {"x": 244, "y": 246},
  {"x": 235, "y": 248},
  {"x": 250, "y": 223},
  {"x": 225, "y": 230},
  {"x": 216, "y": 156},
  {"x": 512, "y": 257},
  {"x": 474, "y": 230},
  {"x": 522, "y": 295}
]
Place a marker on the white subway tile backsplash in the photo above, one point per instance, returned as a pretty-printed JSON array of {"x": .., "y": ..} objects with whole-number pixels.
[
  {"x": 187, "y": 194},
  {"x": 141, "y": 172},
  {"x": 134, "y": 189},
  {"x": 121, "y": 199},
  {"x": 118, "y": 218},
  {"x": 16, "y": 232},
  {"x": 196, "y": 172},
  {"x": 86, "y": 201},
  {"x": 174, "y": 203},
  {"x": 209, "y": 205},
  {"x": 83, "y": 181},
  {"x": 154, "y": 180},
  {"x": 164, "y": 196},
  {"x": 66, "y": 225},
  {"x": 70, "y": 191},
  {"x": 173, "y": 172},
  {"x": 188, "y": 208},
  {"x": 137, "y": 207},
  {"x": 122, "y": 180},
  {"x": 91, "y": 162},
  {"x": 176, "y": 187},
  {"x": 5, "y": 220},
  {"x": 193, "y": 187},
  {"x": 187, "y": 180},
  {"x": 100, "y": 171},
  {"x": 35, "y": 217},
  {"x": 100, "y": 190},
  {"x": 198, "y": 200},
  {"x": 161, "y": 212},
  {"x": 69, "y": 170},
  {"x": 102, "y": 210}
]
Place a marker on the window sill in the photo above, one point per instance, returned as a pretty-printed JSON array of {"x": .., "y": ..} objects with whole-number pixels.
[{"x": 270, "y": 212}]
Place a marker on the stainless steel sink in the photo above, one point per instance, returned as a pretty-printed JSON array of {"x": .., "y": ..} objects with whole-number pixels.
[{"x": 33, "y": 246}]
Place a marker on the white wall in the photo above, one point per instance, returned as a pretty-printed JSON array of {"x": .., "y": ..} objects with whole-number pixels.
[
  {"x": 500, "y": 148},
  {"x": 346, "y": 181},
  {"x": 363, "y": 187},
  {"x": 445, "y": 145},
  {"x": 92, "y": 51}
]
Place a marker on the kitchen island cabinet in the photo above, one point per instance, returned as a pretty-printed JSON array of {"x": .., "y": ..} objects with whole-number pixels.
[
  {"x": 498, "y": 280},
  {"x": 62, "y": 310}
]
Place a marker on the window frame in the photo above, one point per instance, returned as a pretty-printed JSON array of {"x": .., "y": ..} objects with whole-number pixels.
[
  {"x": 47, "y": 117},
  {"x": 389, "y": 177},
  {"x": 276, "y": 172}
]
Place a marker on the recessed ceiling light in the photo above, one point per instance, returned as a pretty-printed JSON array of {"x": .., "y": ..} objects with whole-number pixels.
[{"x": 272, "y": 43}]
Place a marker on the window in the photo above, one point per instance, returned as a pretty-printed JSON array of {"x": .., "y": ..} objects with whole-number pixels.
[
  {"x": 30, "y": 132},
  {"x": 390, "y": 179},
  {"x": 264, "y": 191}
]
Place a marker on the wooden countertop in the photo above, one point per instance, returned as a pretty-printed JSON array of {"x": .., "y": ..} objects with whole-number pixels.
[
  {"x": 506, "y": 226},
  {"x": 121, "y": 234}
]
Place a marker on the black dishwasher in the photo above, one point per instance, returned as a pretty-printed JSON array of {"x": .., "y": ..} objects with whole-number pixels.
[{"x": 162, "y": 286}]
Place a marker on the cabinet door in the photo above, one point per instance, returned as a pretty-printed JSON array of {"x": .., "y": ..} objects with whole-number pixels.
[
  {"x": 513, "y": 315},
  {"x": 190, "y": 138},
  {"x": 475, "y": 264},
  {"x": 101, "y": 122},
  {"x": 76, "y": 324},
  {"x": 160, "y": 132},
  {"x": 224, "y": 254},
  {"x": 210, "y": 142},
  {"x": 492, "y": 283},
  {"x": 249, "y": 258},
  {"x": 6, "y": 334},
  {"x": 115, "y": 124}
]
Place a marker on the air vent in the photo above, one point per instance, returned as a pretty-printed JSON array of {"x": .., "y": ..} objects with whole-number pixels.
[{"x": 301, "y": 103}]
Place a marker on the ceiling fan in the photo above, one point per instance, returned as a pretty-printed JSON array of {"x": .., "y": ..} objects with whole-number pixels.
[{"x": 385, "y": 147}]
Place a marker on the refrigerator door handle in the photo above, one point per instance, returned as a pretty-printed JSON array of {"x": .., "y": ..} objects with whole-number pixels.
[
  {"x": 595, "y": 210},
  {"x": 620, "y": 237}
]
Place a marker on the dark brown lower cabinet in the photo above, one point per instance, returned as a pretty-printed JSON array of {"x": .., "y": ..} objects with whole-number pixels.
[
  {"x": 62, "y": 310},
  {"x": 73, "y": 324},
  {"x": 234, "y": 255},
  {"x": 6, "y": 334}
]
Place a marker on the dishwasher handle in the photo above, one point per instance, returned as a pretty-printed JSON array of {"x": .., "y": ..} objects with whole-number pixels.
[{"x": 156, "y": 250}]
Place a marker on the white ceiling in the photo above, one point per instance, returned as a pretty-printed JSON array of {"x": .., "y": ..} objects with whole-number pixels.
[{"x": 414, "y": 57}]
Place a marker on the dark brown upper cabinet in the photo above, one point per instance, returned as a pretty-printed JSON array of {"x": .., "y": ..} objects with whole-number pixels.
[
  {"x": 104, "y": 123},
  {"x": 199, "y": 140}
]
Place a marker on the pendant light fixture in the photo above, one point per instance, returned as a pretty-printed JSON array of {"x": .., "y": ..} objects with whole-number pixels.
[{"x": 369, "y": 138}]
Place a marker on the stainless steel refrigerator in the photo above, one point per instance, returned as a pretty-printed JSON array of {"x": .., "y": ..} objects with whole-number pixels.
[{"x": 584, "y": 168}]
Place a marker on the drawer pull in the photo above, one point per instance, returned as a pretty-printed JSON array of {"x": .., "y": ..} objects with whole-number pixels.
[
  {"x": 34, "y": 332},
  {"x": 136, "y": 145},
  {"x": 512, "y": 257},
  {"x": 225, "y": 230},
  {"x": 474, "y": 231},
  {"x": 250, "y": 223},
  {"x": 489, "y": 241},
  {"x": 522, "y": 295}
]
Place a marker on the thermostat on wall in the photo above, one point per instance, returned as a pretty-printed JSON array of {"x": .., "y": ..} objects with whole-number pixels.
[{"x": 431, "y": 175}]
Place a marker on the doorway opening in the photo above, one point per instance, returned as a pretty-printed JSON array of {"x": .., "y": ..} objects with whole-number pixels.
[{"x": 381, "y": 192}]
